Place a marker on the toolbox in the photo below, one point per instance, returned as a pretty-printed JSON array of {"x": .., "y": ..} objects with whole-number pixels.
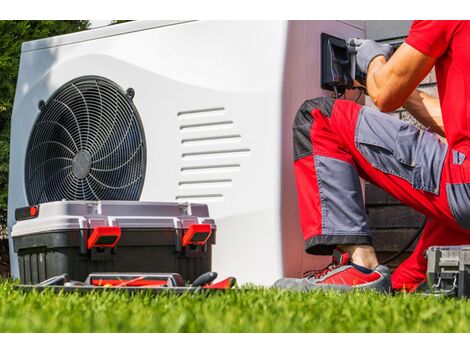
[
  {"x": 82, "y": 237},
  {"x": 448, "y": 270},
  {"x": 133, "y": 282}
]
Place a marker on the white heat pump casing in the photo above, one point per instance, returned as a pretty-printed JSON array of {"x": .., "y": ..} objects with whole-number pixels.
[{"x": 217, "y": 101}]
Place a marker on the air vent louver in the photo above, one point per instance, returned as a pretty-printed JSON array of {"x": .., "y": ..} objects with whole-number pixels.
[{"x": 88, "y": 143}]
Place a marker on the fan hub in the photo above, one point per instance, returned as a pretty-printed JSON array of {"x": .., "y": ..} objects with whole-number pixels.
[{"x": 81, "y": 164}]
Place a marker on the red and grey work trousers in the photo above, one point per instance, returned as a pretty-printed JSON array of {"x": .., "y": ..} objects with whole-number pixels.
[{"x": 336, "y": 142}]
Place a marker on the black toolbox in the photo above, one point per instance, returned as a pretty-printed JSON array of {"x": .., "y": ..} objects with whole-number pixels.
[{"x": 81, "y": 237}]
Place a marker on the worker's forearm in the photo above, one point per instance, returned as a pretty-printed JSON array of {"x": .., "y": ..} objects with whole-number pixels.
[
  {"x": 423, "y": 107},
  {"x": 387, "y": 93},
  {"x": 375, "y": 78},
  {"x": 390, "y": 83},
  {"x": 426, "y": 110}
]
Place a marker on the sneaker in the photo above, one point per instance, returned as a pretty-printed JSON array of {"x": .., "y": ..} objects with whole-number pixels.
[{"x": 340, "y": 275}]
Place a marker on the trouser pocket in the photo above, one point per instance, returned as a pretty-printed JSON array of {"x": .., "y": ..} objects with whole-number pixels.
[{"x": 401, "y": 149}]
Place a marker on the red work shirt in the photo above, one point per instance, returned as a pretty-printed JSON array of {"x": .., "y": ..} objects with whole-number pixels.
[{"x": 449, "y": 43}]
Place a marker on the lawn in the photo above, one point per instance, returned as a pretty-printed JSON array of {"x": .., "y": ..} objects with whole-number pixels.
[{"x": 247, "y": 309}]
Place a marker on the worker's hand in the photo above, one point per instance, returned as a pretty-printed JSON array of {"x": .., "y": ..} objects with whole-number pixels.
[{"x": 366, "y": 50}]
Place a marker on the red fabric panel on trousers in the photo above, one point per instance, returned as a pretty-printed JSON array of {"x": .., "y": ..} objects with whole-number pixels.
[
  {"x": 308, "y": 197},
  {"x": 324, "y": 135}
]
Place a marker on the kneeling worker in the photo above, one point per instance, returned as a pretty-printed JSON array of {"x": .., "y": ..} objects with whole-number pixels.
[{"x": 336, "y": 142}]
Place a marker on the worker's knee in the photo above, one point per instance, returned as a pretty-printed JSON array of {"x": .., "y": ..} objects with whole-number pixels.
[{"x": 303, "y": 123}]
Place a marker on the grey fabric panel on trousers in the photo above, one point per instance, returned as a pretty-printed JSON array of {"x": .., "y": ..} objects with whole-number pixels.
[
  {"x": 458, "y": 196},
  {"x": 401, "y": 149},
  {"x": 341, "y": 198},
  {"x": 303, "y": 123},
  {"x": 457, "y": 157}
]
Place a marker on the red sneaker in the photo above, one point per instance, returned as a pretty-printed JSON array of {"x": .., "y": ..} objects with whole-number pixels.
[{"x": 340, "y": 275}]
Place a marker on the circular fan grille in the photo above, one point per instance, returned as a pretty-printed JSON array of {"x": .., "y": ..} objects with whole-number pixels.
[{"x": 87, "y": 143}]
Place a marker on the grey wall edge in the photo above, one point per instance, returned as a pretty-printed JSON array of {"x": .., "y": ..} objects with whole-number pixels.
[{"x": 387, "y": 29}]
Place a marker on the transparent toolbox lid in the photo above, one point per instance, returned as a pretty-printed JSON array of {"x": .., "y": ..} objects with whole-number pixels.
[{"x": 72, "y": 215}]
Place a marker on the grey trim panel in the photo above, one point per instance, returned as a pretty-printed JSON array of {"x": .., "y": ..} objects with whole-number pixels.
[
  {"x": 458, "y": 196},
  {"x": 325, "y": 244},
  {"x": 386, "y": 29},
  {"x": 401, "y": 149}
]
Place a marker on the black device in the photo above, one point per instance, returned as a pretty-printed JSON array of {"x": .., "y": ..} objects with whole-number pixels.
[{"x": 338, "y": 66}]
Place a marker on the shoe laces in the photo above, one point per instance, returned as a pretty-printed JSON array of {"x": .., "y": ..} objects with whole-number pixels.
[
  {"x": 316, "y": 274},
  {"x": 339, "y": 259}
]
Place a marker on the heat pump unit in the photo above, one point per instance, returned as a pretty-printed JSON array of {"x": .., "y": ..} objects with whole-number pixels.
[{"x": 197, "y": 112}]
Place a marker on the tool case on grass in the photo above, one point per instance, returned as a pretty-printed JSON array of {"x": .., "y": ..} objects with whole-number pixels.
[
  {"x": 81, "y": 237},
  {"x": 448, "y": 270}
]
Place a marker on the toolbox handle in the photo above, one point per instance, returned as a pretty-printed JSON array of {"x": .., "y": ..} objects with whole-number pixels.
[
  {"x": 104, "y": 237},
  {"x": 197, "y": 234}
]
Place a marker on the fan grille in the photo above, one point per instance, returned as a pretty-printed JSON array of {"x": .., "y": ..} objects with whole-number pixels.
[{"x": 87, "y": 144}]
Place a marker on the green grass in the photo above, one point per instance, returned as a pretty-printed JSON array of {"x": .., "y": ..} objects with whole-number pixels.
[{"x": 243, "y": 310}]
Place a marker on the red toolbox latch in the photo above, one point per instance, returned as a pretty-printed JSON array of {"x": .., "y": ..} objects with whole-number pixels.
[
  {"x": 197, "y": 234},
  {"x": 104, "y": 237}
]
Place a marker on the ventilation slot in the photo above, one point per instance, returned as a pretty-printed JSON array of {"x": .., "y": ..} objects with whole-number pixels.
[
  {"x": 205, "y": 183},
  {"x": 217, "y": 154},
  {"x": 207, "y": 126},
  {"x": 191, "y": 142},
  {"x": 203, "y": 113},
  {"x": 210, "y": 169},
  {"x": 201, "y": 198}
]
